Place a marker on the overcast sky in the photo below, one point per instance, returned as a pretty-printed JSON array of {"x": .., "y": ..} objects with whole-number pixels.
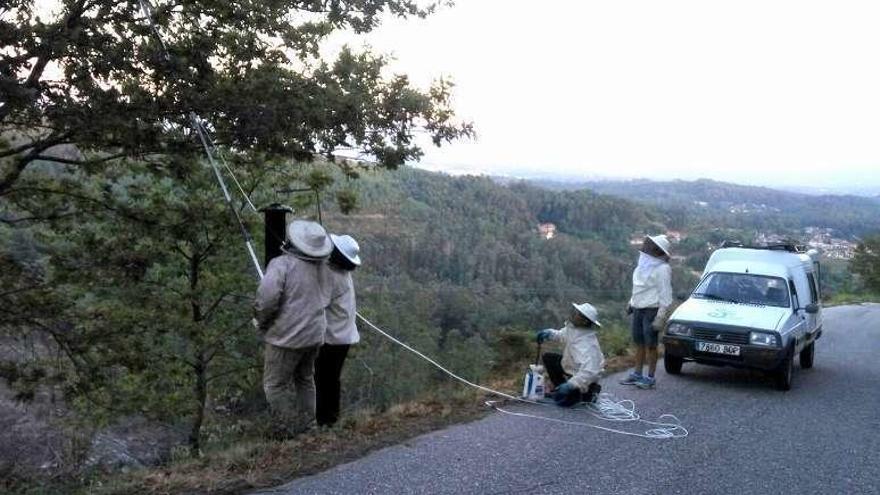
[{"x": 783, "y": 93}]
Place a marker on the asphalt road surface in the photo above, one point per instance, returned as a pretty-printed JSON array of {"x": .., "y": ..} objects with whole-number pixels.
[{"x": 745, "y": 437}]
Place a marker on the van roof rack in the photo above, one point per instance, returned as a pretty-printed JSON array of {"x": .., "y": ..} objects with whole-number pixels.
[{"x": 780, "y": 246}]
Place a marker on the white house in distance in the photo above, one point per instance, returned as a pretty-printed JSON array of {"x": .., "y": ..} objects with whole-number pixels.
[{"x": 547, "y": 230}]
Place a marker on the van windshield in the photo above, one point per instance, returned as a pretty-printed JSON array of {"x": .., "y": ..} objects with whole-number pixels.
[{"x": 744, "y": 288}]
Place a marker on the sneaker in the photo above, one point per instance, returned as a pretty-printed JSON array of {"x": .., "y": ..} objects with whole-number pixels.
[
  {"x": 633, "y": 378},
  {"x": 646, "y": 382}
]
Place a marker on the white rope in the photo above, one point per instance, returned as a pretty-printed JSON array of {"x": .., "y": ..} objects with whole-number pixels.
[
  {"x": 201, "y": 132},
  {"x": 661, "y": 431},
  {"x": 605, "y": 408}
]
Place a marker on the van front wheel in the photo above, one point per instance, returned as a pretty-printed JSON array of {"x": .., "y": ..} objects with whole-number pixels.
[
  {"x": 783, "y": 374},
  {"x": 807, "y": 356},
  {"x": 672, "y": 364}
]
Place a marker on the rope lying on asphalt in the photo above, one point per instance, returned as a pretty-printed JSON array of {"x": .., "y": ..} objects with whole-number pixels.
[
  {"x": 609, "y": 409},
  {"x": 605, "y": 408}
]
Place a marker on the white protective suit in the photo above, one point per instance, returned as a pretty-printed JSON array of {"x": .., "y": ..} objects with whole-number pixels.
[
  {"x": 341, "y": 324},
  {"x": 652, "y": 285},
  {"x": 582, "y": 358}
]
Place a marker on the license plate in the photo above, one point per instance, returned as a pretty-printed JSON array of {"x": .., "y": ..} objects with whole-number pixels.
[{"x": 730, "y": 350}]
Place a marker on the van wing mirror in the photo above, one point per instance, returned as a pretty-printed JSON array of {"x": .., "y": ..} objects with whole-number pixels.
[{"x": 812, "y": 308}]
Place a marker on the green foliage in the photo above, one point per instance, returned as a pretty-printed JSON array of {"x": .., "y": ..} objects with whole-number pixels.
[
  {"x": 615, "y": 339},
  {"x": 154, "y": 291},
  {"x": 845, "y": 298},
  {"x": 866, "y": 262},
  {"x": 512, "y": 348},
  {"x": 347, "y": 201},
  {"x": 136, "y": 277},
  {"x": 251, "y": 69}
]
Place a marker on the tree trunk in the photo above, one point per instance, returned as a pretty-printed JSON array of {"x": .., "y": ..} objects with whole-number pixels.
[
  {"x": 200, "y": 389},
  {"x": 200, "y": 364}
]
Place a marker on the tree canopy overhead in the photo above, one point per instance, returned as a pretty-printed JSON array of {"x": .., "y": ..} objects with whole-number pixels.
[{"x": 94, "y": 73}]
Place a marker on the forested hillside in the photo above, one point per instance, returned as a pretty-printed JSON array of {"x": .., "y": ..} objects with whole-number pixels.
[
  {"x": 690, "y": 204},
  {"x": 462, "y": 257},
  {"x": 470, "y": 232}
]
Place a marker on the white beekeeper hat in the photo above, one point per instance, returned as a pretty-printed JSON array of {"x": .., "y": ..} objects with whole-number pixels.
[
  {"x": 589, "y": 312},
  {"x": 348, "y": 247},
  {"x": 662, "y": 242},
  {"x": 309, "y": 238}
]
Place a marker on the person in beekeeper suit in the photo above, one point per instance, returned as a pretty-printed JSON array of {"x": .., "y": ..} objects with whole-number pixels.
[
  {"x": 576, "y": 371},
  {"x": 289, "y": 311},
  {"x": 649, "y": 306},
  {"x": 342, "y": 330}
]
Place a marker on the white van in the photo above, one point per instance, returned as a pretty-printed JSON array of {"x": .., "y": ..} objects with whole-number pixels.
[{"x": 755, "y": 307}]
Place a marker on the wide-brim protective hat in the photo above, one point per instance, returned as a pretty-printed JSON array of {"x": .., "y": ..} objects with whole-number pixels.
[
  {"x": 309, "y": 238},
  {"x": 348, "y": 247},
  {"x": 662, "y": 242},
  {"x": 589, "y": 311}
]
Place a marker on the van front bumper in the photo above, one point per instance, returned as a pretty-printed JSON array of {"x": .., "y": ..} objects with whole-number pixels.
[{"x": 751, "y": 356}]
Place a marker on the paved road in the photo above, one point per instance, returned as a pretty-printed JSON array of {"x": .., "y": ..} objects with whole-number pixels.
[{"x": 823, "y": 436}]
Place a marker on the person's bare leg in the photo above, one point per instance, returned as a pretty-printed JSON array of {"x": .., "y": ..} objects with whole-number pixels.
[
  {"x": 640, "y": 358},
  {"x": 652, "y": 360}
]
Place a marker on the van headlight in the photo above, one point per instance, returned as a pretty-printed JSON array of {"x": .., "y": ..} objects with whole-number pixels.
[
  {"x": 679, "y": 329},
  {"x": 762, "y": 338}
]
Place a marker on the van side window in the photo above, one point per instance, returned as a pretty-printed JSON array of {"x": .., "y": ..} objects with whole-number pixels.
[
  {"x": 795, "y": 301},
  {"x": 814, "y": 294}
]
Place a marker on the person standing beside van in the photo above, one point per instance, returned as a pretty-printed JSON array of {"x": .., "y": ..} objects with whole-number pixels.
[
  {"x": 289, "y": 310},
  {"x": 649, "y": 305},
  {"x": 342, "y": 330}
]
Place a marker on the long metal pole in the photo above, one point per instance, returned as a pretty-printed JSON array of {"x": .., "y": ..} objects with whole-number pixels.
[
  {"x": 196, "y": 122},
  {"x": 248, "y": 240}
]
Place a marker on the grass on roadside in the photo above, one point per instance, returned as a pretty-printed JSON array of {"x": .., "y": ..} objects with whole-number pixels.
[
  {"x": 259, "y": 462},
  {"x": 844, "y": 298}
]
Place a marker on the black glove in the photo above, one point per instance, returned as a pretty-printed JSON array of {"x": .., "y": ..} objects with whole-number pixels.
[
  {"x": 592, "y": 394},
  {"x": 566, "y": 395}
]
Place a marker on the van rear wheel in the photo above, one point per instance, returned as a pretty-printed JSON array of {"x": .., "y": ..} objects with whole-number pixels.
[
  {"x": 783, "y": 374},
  {"x": 672, "y": 364},
  {"x": 807, "y": 356}
]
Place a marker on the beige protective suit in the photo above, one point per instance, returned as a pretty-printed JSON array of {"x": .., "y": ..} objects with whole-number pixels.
[
  {"x": 289, "y": 309},
  {"x": 290, "y": 302}
]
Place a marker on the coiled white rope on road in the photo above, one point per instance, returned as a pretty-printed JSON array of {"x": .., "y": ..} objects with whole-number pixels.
[
  {"x": 605, "y": 408},
  {"x": 660, "y": 430}
]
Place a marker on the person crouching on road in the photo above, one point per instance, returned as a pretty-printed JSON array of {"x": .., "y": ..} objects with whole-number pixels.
[
  {"x": 649, "y": 305},
  {"x": 342, "y": 329},
  {"x": 576, "y": 371},
  {"x": 289, "y": 309}
]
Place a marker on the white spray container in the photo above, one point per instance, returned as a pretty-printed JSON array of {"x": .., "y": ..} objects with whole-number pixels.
[{"x": 533, "y": 384}]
